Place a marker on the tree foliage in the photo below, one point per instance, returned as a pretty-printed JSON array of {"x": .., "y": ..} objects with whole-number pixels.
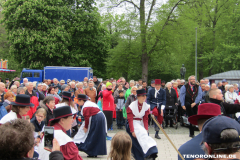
[{"x": 61, "y": 32}]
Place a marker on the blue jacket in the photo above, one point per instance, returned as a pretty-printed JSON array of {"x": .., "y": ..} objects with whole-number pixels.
[
  {"x": 191, "y": 147},
  {"x": 152, "y": 101}
]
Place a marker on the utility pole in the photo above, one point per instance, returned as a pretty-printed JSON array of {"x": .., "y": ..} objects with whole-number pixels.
[{"x": 196, "y": 57}]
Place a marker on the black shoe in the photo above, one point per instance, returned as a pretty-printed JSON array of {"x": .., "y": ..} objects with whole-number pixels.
[
  {"x": 157, "y": 136},
  {"x": 192, "y": 136},
  {"x": 121, "y": 127},
  {"x": 171, "y": 126},
  {"x": 166, "y": 126},
  {"x": 92, "y": 156}
]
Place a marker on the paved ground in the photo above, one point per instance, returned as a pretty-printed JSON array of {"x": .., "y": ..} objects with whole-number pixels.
[{"x": 165, "y": 149}]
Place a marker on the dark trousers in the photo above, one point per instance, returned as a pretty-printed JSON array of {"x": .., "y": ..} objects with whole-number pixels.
[
  {"x": 179, "y": 112},
  {"x": 109, "y": 117},
  {"x": 74, "y": 131},
  {"x": 120, "y": 119},
  {"x": 190, "y": 112}
]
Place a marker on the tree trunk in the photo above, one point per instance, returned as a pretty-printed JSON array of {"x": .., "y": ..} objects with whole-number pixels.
[{"x": 145, "y": 57}]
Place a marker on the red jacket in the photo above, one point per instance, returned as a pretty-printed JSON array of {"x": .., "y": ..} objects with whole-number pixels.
[
  {"x": 108, "y": 101},
  {"x": 32, "y": 110}
]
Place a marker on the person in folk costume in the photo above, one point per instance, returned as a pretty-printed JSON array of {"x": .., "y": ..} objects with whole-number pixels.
[
  {"x": 190, "y": 96},
  {"x": 157, "y": 100},
  {"x": 67, "y": 101},
  {"x": 91, "y": 137},
  {"x": 19, "y": 107},
  {"x": 143, "y": 146},
  {"x": 62, "y": 121}
]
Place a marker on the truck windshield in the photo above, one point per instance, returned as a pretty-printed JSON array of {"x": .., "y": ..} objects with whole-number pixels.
[
  {"x": 36, "y": 74},
  {"x": 26, "y": 74}
]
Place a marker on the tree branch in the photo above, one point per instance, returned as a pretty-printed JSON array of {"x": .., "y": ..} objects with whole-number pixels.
[
  {"x": 150, "y": 12},
  {"x": 166, "y": 22},
  {"x": 131, "y": 2}
]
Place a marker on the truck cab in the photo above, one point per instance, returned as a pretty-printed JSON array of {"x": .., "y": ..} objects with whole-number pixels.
[{"x": 32, "y": 75}]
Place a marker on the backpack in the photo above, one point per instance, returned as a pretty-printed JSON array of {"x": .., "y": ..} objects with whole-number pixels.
[{"x": 3, "y": 111}]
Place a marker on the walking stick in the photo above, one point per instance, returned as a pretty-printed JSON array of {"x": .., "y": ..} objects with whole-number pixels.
[{"x": 154, "y": 119}]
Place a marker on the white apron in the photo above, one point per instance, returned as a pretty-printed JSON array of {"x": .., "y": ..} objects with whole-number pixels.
[
  {"x": 62, "y": 139},
  {"x": 8, "y": 117},
  {"x": 81, "y": 136},
  {"x": 145, "y": 141}
]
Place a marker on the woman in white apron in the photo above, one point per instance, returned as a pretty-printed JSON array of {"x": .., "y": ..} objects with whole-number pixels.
[
  {"x": 143, "y": 146},
  {"x": 62, "y": 121},
  {"x": 20, "y": 107},
  {"x": 91, "y": 137}
]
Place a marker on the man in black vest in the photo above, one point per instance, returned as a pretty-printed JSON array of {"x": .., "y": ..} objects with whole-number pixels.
[{"x": 190, "y": 96}]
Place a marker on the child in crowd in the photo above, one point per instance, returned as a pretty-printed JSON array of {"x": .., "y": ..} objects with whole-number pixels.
[
  {"x": 120, "y": 102},
  {"x": 39, "y": 123},
  {"x": 121, "y": 147}
]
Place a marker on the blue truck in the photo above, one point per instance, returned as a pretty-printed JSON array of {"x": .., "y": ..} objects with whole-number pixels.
[{"x": 51, "y": 72}]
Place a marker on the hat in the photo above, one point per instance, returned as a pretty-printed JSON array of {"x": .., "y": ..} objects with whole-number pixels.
[
  {"x": 64, "y": 86},
  {"x": 163, "y": 81},
  {"x": 66, "y": 95},
  {"x": 61, "y": 112},
  {"x": 205, "y": 111},
  {"x": 213, "y": 127},
  {"x": 152, "y": 82},
  {"x": 141, "y": 92},
  {"x": 108, "y": 84},
  {"x": 224, "y": 80},
  {"x": 157, "y": 81},
  {"x": 69, "y": 80},
  {"x": 7, "y": 79},
  {"x": 62, "y": 81},
  {"x": 22, "y": 100},
  {"x": 82, "y": 97}
]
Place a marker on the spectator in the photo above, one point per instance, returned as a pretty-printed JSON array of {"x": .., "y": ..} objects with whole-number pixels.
[
  {"x": 2, "y": 91},
  {"x": 65, "y": 88},
  {"x": 48, "y": 104},
  {"x": 30, "y": 90},
  {"x": 108, "y": 105},
  {"x": 96, "y": 82},
  {"x": 221, "y": 137},
  {"x": 20, "y": 107},
  {"x": 21, "y": 90},
  {"x": 120, "y": 102},
  {"x": 85, "y": 79},
  {"x": 14, "y": 89},
  {"x": 91, "y": 91},
  {"x": 132, "y": 97},
  {"x": 144, "y": 86},
  {"x": 123, "y": 81},
  {"x": 121, "y": 147},
  {"x": 25, "y": 80},
  {"x": 44, "y": 89},
  {"x": 79, "y": 89},
  {"x": 49, "y": 82},
  {"x": 171, "y": 100},
  {"x": 152, "y": 85},
  {"x": 128, "y": 92},
  {"x": 51, "y": 92},
  {"x": 219, "y": 84},
  {"x": 39, "y": 93},
  {"x": 163, "y": 84},
  {"x": 230, "y": 95},
  {"x": 56, "y": 84},
  {"x": 190, "y": 96},
  {"x": 61, "y": 122},
  {"x": 72, "y": 87},
  {"x": 85, "y": 85},
  {"x": 120, "y": 88},
  {"x": 8, "y": 98},
  {"x": 224, "y": 82},
  {"x": 62, "y": 82},
  {"x": 236, "y": 89},
  {"x": 213, "y": 85},
  {"x": 207, "y": 87},
  {"x": 206, "y": 81}
]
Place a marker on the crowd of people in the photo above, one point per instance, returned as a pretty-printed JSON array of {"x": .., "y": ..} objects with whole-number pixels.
[{"x": 82, "y": 113}]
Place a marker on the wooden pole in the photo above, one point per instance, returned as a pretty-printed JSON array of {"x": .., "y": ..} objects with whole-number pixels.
[{"x": 154, "y": 119}]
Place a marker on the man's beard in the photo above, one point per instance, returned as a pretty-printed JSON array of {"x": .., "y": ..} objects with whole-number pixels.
[{"x": 192, "y": 83}]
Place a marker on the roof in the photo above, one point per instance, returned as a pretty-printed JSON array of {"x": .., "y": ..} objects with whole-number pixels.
[{"x": 233, "y": 74}]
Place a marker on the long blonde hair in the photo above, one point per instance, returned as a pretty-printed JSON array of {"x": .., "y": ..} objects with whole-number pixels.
[{"x": 121, "y": 147}]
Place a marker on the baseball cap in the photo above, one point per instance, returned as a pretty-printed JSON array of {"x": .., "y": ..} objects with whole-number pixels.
[
  {"x": 224, "y": 80},
  {"x": 152, "y": 81},
  {"x": 69, "y": 80},
  {"x": 213, "y": 128}
]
